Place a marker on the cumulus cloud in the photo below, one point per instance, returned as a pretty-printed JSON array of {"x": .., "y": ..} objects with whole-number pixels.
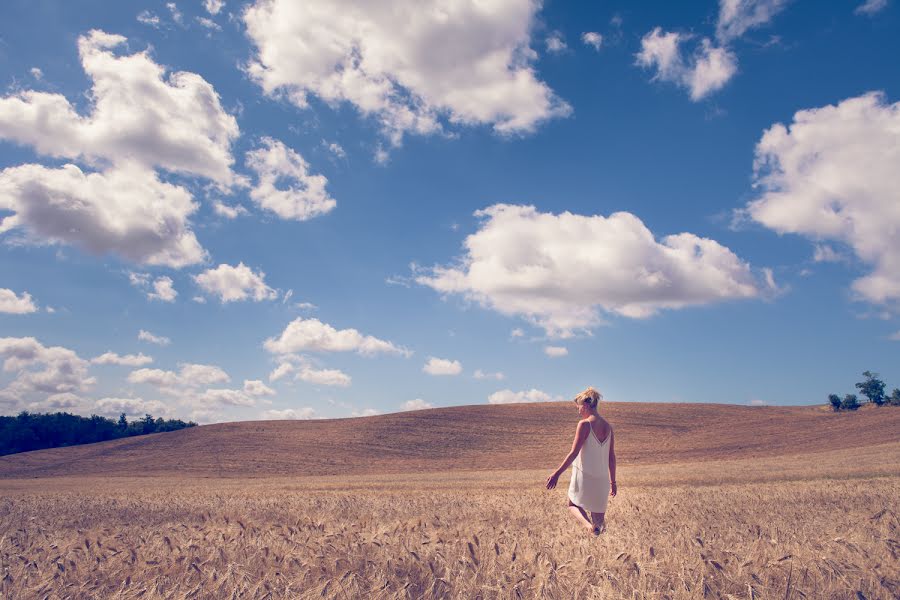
[
  {"x": 125, "y": 210},
  {"x": 145, "y": 17},
  {"x": 163, "y": 290},
  {"x": 559, "y": 271},
  {"x": 592, "y": 39},
  {"x": 41, "y": 370},
  {"x": 209, "y": 23},
  {"x": 301, "y": 196},
  {"x": 128, "y": 360},
  {"x": 832, "y": 176},
  {"x": 140, "y": 118},
  {"x": 225, "y": 397},
  {"x": 65, "y": 401},
  {"x": 255, "y": 387},
  {"x": 13, "y": 304},
  {"x": 555, "y": 43},
  {"x": 190, "y": 375},
  {"x": 407, "y": 65},
  {"x": 231, "y": 284},
  {"x": 159, "y": 340},
  {"x": 417, "y": 404},
  {"x": 871, "y": 7},
  {"x": 228, "y": 211},
  {"x": 303, "y": 369},
  {"x": 556, "y": 351},
  {"x": 213, "y": 6},
  {"x": 290, "y": 413},
  {"x": 479, "y": 374},
  {"x": 511, "y": 397},
  {"x": 312, "y": 335},
  {"x": 707, "y": 70},
  {"x": 366, "y": 412},
  {"x": 132, "y": 407},
  {"x": 442, "y": 366},
  {"x": 737, "y": 16}
]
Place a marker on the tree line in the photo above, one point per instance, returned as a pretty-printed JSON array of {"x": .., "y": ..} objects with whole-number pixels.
[
  {"x": 35, "y": 431},
  {"x": 872, "y": 388}
]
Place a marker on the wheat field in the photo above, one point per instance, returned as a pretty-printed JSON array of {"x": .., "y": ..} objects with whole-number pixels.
[{"x": 819, "y": 525}]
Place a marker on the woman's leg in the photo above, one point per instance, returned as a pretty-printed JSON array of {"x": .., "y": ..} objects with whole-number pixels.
[
  {"x": 580, "y": 515},
  {"x": 598, "y": 520}
]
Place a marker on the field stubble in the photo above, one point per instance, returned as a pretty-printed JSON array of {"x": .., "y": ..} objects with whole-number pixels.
[{"x": 811, "y": 526}]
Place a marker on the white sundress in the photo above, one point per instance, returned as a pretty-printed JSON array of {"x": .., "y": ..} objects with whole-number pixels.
[{"x": 589, "y": 486}]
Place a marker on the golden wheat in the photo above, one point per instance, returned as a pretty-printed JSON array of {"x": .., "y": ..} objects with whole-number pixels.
[{"x": 675, "y": 531}]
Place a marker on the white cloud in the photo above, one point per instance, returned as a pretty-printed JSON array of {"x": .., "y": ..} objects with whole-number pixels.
[
  {"x": 592, "y": 39},
  {"x": 555, "y": 43},
  {"x": 163, "y": 290},
  {"x": 315, "y": 336},
  {"x": 517, "y": 332},
  {"x": 290, "y": 413},
  {"x": 479, "y": 374},
  {"x": 231, "y": 284},
  {"x": 224, "y": 396},
  {"x": 213, "y": 6},
  {"x": 366, "y": 412},
  {"x": 228, "y": 211},
  {"x": 871, "y": 7},
  {"x": 255, "y": 387},
  {"x": 65, "y": 401},
  {"x": 442, "y": 366},
  {"x": 128, "y": 360},
  {"x": 140, "y": 118},
  {"x": 510, "y": 397},
  {"x": 209, "y": 23},
  {"x": 176, "y": 14},
  {"x": 41, "y": 370},
  {"x": 190, "y": 375},
  {"x": 303, "y": 370},
  {"x": 146, "y": 336},
  {"x": 556, "y": 351},
  {"x": 126, "y": 211},
  {"x": 36, "y": 73},
  {"x": 132, "y": 407},
  {"x": 417, "y": 404},
  {"x": 407, "y": 65},
  {"x": 10, "y": 303},
  {"x": 737, "y": 16},
  {"x": 336, "y": 149},
  {"x": 833, "y": 175},
  {"x": 558, "y": 271},
  {"x": 145, "y": 17},
  {"x": 702, "y": 73},
  {"x": 302, "y": 195}
]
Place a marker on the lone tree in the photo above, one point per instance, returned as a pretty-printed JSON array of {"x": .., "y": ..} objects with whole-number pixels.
[
  {"x": 835, "y": 401},
  {"x": 850, "y": 402},
  {"x": 872, "y": 388}
]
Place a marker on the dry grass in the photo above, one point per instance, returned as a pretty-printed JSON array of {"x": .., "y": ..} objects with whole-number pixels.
[{"x": 815, "y": 526}]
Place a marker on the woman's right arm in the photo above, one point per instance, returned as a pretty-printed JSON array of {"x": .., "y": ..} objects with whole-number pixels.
[{"x": 581, "y": 433}]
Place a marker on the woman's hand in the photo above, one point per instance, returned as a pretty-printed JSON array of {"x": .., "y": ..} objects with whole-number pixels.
[
  {"x": 612, "y": 489},
  {"x": 551, "y": 481}
]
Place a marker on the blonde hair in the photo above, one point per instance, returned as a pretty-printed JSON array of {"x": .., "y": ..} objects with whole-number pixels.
[{"x": 590, "y": 397}]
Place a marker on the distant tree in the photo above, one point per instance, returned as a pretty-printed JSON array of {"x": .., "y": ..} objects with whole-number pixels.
[
  {"x": 835, "y": 402},
  {"x": 894, "y": 399},
  {"x": 850, "y": 402},
  {"x": 123, "y": 422},
  {"x": 872, "y": 388},
  {"x": 148, "y": 425}
]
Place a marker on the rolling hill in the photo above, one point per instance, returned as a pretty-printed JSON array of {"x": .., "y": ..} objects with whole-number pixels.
[{"x": 518, "y": 436}]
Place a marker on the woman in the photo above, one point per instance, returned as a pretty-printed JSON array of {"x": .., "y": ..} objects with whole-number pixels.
[{"x": 593, "y": 460}]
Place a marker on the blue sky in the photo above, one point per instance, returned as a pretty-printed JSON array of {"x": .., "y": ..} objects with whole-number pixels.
[{"x": 332, "y": 211}]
